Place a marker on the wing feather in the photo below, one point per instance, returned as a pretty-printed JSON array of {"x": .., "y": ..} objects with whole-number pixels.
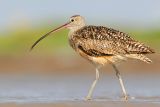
[{"x": 101, "y": 41}]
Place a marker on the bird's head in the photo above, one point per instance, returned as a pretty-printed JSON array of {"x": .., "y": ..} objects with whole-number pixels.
[{"x": 76, "y": 22}]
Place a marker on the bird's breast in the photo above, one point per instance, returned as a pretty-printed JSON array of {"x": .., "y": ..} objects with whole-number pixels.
[
  {"x": 71, "y": 43},
  {"x": 72, "y": 40}
]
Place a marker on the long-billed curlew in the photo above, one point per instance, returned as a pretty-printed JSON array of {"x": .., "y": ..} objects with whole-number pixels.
[{"x": 101, "y": 45}]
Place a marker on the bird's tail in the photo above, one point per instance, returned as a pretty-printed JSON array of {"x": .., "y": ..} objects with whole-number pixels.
[{"x": 140, "y": 57}]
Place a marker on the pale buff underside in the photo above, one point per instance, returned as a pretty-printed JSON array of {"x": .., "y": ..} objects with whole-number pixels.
[{"x": 103, "y": 60}]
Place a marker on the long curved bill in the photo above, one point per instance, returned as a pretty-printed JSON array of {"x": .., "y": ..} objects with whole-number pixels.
[{"x": 44, "y": 36}]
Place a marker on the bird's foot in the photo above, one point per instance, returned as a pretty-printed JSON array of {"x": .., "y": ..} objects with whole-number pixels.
[
  {"x": 125, "y": 98},
  {"x": 88, "y": 98}
]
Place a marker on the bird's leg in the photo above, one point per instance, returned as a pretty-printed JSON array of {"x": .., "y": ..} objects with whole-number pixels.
[
  {"x": 93, "y": 85},
  {"x": 121, "y": 82}
]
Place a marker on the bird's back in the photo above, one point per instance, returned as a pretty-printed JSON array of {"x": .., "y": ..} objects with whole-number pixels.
[{"x": 99, "y": 41}]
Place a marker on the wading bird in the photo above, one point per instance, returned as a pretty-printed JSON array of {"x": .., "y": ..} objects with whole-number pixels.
[{"x": 102, "y": 45}]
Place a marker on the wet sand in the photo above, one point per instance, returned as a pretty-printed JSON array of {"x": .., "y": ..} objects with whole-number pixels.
[{"x": 85, "y": 104}]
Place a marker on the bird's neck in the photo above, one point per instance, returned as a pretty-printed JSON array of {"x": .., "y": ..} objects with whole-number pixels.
[{"x": 74, "y": 29}]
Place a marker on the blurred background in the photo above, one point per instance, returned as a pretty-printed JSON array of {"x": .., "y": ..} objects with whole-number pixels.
[{"x": 23, "y": 22}]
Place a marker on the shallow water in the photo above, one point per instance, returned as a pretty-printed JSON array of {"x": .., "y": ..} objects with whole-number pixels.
[{"x": 61, "y": 88}]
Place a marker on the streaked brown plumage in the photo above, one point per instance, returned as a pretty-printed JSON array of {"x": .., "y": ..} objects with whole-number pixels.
[
  {"x": 101, "y": 45},
  {"x": 99, "y": 41}
]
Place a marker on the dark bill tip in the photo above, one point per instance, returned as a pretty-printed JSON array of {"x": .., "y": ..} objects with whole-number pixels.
[{"x": 65, "y": 25}]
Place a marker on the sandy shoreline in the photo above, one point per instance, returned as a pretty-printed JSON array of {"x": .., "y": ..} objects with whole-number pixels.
[{"x": 85, "y": 104}]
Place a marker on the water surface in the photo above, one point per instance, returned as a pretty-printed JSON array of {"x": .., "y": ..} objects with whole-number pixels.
[{"x": 64, "y": 88}]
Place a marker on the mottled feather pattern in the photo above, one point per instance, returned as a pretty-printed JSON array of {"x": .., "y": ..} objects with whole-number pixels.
[
  {"x": 140, "y": 57},
  {"x": 138, "y": 48},
  {"x": 108, "y": 41}
]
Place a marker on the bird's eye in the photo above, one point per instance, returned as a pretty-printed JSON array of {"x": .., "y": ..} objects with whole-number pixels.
[{"x": 72, "y": 20}]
